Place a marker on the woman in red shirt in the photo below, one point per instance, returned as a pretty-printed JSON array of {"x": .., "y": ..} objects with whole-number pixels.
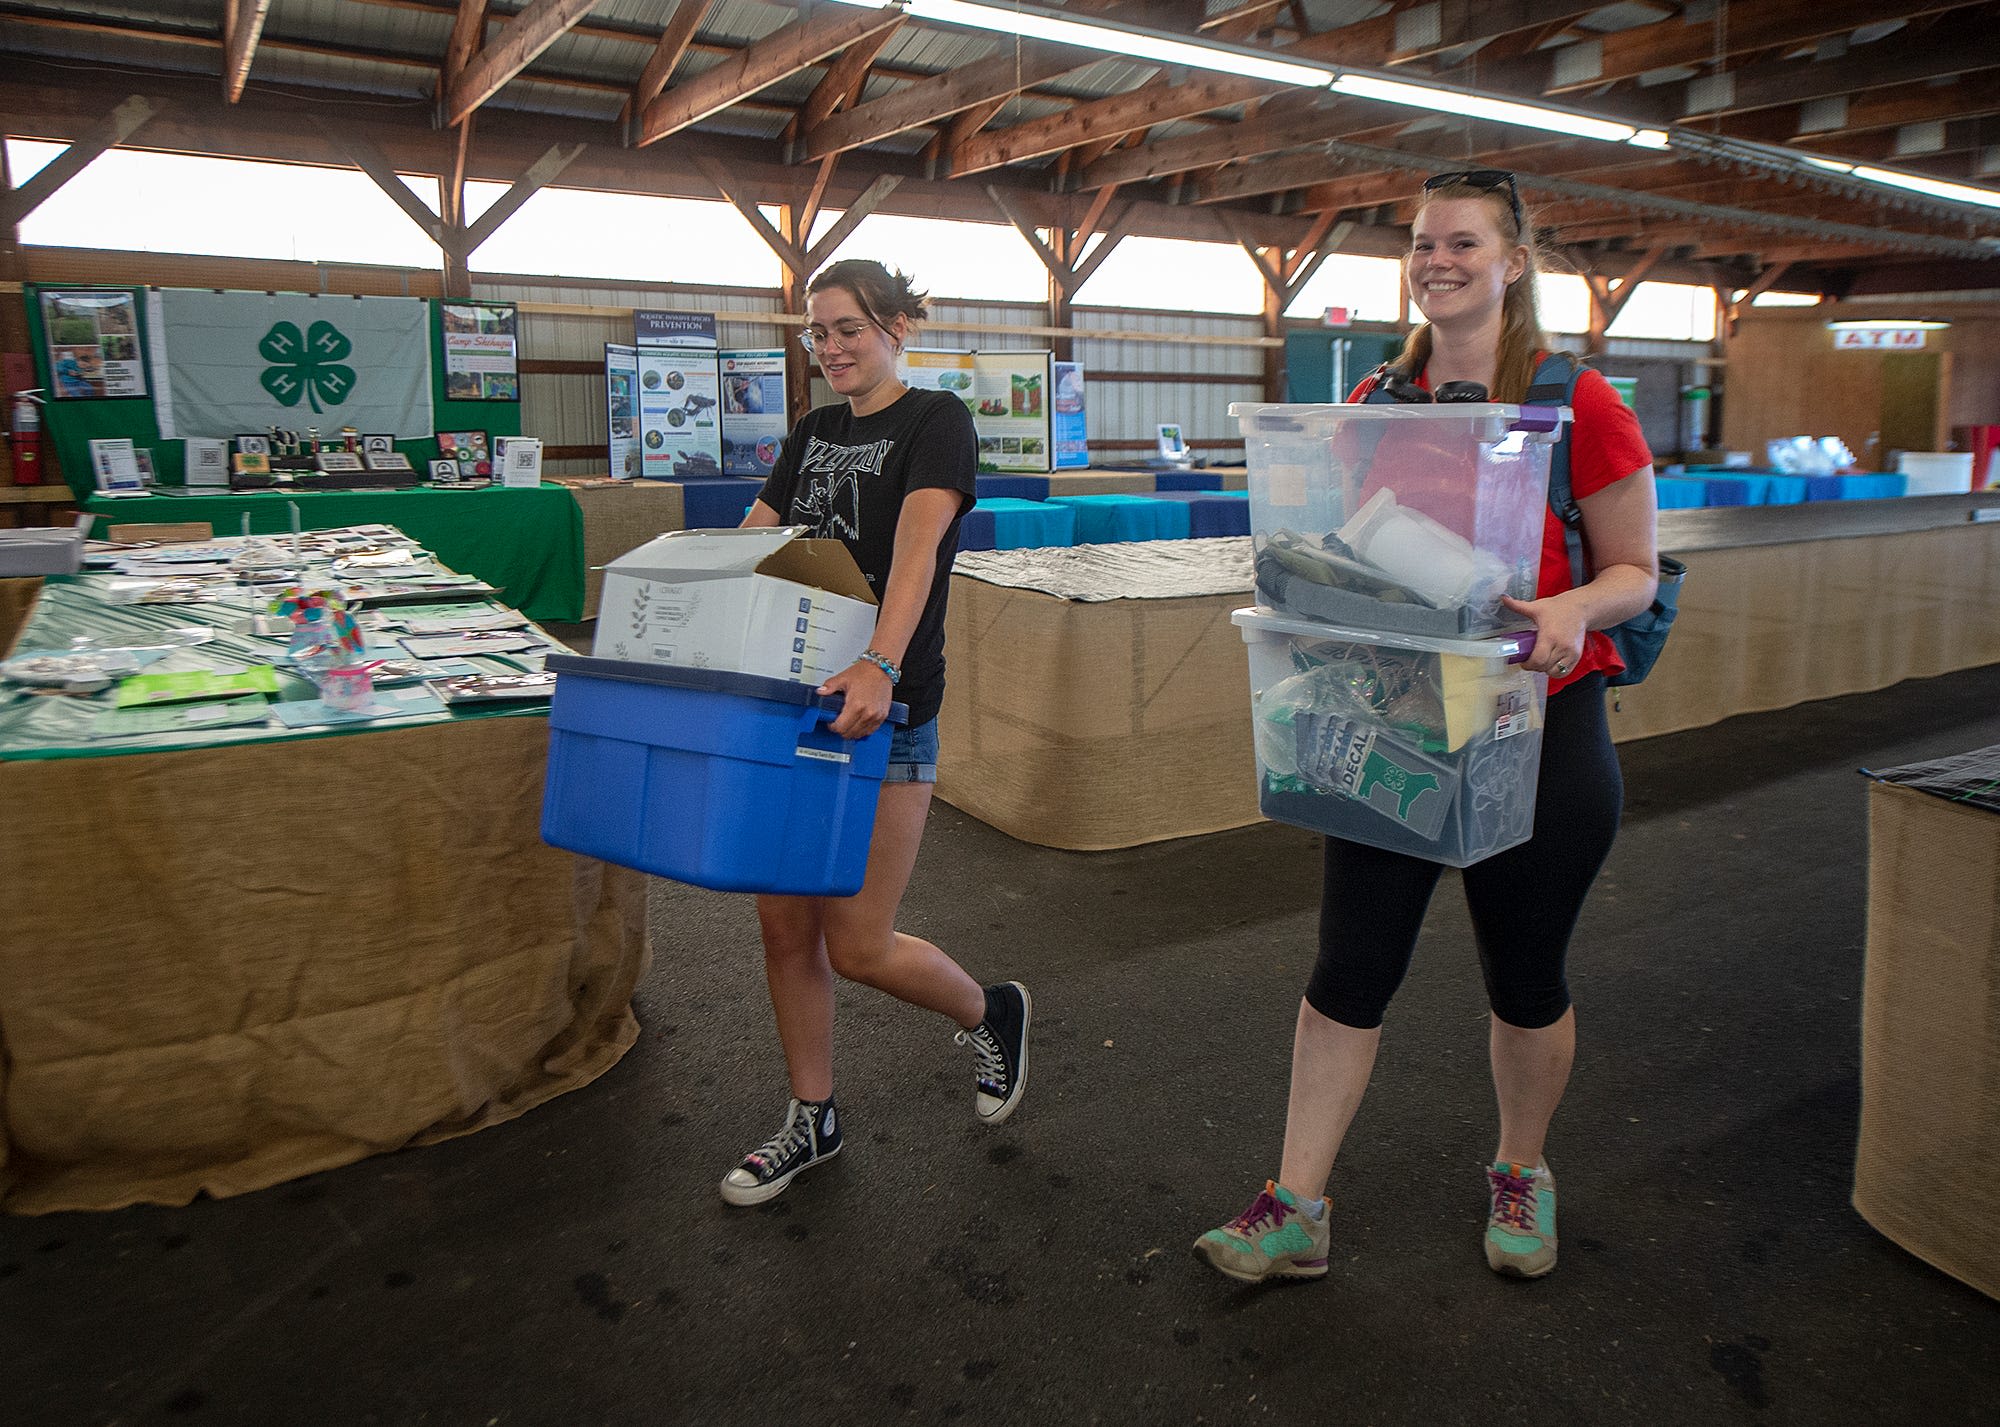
[{"x": 1471, "y": 270}]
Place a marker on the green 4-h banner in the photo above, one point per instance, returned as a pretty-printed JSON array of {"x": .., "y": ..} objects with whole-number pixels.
[{"x": 230, "y": 363}]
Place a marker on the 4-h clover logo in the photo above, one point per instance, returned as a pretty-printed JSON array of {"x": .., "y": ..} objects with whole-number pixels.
[{"x": 307, "y": 366}]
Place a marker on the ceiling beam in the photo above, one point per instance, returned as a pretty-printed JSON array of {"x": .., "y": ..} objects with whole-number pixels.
[
  {"x": 513, "y": 50},
  {"x": 870, "y": 200},
  {"x": 540, "y": 173},
  {"x": 731, "y": 186},
  {"x": 1897, "y": 60},
  {"x": 842, "y": 85},
  {"x": 1425, "y": 30},
  {"x": 666, "y": 55},
  {"x": 1673, "y": 42},
  {"x": 939, "y": 97},
  {"x": 825, "y": 30},
  {"x": 242, "y": 23},
  {"x": 468, "y": 34},
  {"x": 122, "y": 122},
  {"x": 370, "y": 161}
]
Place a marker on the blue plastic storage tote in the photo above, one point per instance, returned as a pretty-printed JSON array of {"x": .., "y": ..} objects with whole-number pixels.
[{"x": 727, "y": 781}]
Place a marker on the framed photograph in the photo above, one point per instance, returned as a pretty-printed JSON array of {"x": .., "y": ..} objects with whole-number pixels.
[
  {"x": 143, "y": 457},
  {"x": 445, "y": 471},
  {"x": 387, "y": 461},
  {"x": 91, "y": 337},
  {"x": 254, "y": 445},
  {"x": 1173, "y": 445},
  {"x": 252, "y": 463},
  {"x": 338, "y": 461},
  {"x": 115, "y": 463},
  {"x": 377, "y": 443},
  {"x": 481, "y": 350}
]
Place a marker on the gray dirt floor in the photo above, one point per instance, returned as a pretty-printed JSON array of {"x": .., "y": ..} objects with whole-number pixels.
[{"x": 577, "y": 1267}]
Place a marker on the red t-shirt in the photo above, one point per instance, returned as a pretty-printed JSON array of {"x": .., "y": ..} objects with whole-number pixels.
[{"x": 1605, "y": 445}]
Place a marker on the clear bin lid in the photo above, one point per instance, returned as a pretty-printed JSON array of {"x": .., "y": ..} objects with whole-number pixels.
[
  {"x": 1260, "y": 620},
  {"x": 1485, "y": 421}
]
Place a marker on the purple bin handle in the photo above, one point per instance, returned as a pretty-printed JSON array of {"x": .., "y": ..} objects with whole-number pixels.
[
  {"x": 1538, "y": 418},
  {"x": 1527, "y": 648}
]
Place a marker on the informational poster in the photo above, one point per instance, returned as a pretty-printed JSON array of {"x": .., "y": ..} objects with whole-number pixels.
[
  {"x": 93, "y": 344},
  {"x": 1066, "y": 422},
  {"x": 939, "y": 369},
  {"x": 482, "y": 359},
  {"x": 621, "y": 402},
  {"x": 680, "y": 430},
  {"x": 753, "y": 411},
  {"x": 1011, "y": 409},
  {"x": 673, "y": 329}
]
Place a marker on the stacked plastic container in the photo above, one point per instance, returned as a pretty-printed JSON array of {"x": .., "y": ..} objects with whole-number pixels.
[{"x": 1385, "y": 692}]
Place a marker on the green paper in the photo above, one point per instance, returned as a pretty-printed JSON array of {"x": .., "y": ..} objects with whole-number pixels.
[
  {"x": 143, "y": 690},
  {"x": 130, "y": 723}
]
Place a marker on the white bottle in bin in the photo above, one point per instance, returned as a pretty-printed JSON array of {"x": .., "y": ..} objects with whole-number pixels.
[{"x": 1422, "y": 555}]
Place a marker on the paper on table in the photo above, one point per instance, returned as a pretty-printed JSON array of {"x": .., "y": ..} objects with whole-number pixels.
[
  {"x": 388, "y": 703},
  {"x": 438, "y": 646},
  {"x": 138, "y": 722}
]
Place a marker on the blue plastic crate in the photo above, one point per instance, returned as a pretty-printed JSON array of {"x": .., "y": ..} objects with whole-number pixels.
[{"x": 726, "y": 781}]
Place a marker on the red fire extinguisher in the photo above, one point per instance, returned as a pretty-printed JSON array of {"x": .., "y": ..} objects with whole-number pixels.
[{"x": 25, "y": 436}]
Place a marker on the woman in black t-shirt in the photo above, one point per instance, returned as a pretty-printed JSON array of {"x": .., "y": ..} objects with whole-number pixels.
[{"x": 888, "y": 471}]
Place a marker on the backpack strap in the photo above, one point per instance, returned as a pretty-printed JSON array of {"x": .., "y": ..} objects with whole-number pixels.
[
  {"x": 1375, "y": 382},
  {"x": 1554, "y": 384}
]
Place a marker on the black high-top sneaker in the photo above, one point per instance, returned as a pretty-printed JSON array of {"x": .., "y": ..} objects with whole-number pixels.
[
  {"x": 809, "y": 1136},
  {"x": 1000, "y": 1047}
]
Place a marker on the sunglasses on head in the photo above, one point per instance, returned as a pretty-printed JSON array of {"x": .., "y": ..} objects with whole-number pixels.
[{"x": 1486, "y": 180}]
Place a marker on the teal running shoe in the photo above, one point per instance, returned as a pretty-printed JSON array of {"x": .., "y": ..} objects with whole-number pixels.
[
  {"x": 1273, "y": 1238},
  {"x": 1521, "y": 1229}
]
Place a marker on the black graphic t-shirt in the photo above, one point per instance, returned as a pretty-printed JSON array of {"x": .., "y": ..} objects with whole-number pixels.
[{"x": 845, "y": 476}]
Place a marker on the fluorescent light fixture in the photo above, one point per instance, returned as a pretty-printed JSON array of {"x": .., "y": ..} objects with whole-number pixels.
[
  {"x": 1479, "y": 106},
  {"x": 1112, "y": 38},
  {"x": 1833, "y": 164},
  {"x": 1934, "y": 187},
  {"x": 1886, "y": 324},
  {"x": 1651, "y": 139}
]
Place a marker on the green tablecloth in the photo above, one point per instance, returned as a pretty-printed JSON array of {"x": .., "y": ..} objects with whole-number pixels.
[
  {"x": 526, "y": 543},
  {"x": 39, "y": 726}
]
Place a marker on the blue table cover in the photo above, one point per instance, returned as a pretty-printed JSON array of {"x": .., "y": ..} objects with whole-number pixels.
[
  {"x": 1212, "y": 514},
  {"x": 1862, "y": 486},
  {"x": 1187, "y": 481},
  {"x": 1004, "y": 523},
  {"x": 1678, "y": 494},
  {"x": 1012, "y": 487},
  {"x": 1110, "y": 519},
  {"x": 717, "y": 503}
]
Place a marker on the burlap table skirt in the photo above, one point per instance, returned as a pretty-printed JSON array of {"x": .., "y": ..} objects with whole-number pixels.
[
  {"x": 1098, "y": 725},
  {"x": 225, "y": 968},
  {"x": 1769, "y": 626},
  {"x": 619, "y": 518},
  {"x": 17, "y": 602},
  {"x": 1927, "y": 1168}
]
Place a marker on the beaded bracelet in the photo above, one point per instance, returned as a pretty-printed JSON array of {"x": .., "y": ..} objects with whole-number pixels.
[{"x": 885, "y": 664}]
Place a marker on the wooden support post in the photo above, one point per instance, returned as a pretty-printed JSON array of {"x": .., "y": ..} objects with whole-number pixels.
[{"x": 792, "y": 287}]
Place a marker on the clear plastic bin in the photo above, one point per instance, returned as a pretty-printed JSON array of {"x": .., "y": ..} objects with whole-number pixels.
[
  {"x": 1430, "y": 747},
  {"x": 1411, "y": 519}
]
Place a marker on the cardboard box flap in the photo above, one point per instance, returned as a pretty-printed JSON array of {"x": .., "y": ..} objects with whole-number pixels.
[
  {"x": 681, "y": 555},
  {"x": 824, "y": 564}
]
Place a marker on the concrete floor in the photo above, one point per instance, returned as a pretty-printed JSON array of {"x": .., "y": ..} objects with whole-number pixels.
[{"x": 577, "y": 1267}]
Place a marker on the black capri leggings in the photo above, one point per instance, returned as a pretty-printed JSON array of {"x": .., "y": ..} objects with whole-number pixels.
[{"x": 1524, "y": 901}]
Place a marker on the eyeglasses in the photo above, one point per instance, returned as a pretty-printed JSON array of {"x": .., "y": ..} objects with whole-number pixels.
[
  {"x": 1486, "y": 180},
  {"x": 842, "y": 334}
]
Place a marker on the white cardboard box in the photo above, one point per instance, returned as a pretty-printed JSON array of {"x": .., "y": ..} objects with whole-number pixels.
[{"x": 766, "y": 601}]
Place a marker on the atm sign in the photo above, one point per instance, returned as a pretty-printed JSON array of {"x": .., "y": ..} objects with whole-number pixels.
[{"x": 1879, "y": 339}]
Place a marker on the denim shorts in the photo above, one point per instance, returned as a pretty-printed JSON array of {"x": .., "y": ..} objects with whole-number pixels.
[{"x": 913, "y": 754}]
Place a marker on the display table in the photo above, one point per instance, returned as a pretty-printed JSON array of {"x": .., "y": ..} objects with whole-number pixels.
[
  {"x": 1003, "y": 523},
  {"x": 526, "y": 542},
  {"x": 619, "y": 517},
  {"x": 1927, "y": 1163},
  {"x": 256, "y": 954},
  {"x": 1211, "y": 513},
  {"x": 1108, "y": 519},
  {"x": 1095, "y": 723}
]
